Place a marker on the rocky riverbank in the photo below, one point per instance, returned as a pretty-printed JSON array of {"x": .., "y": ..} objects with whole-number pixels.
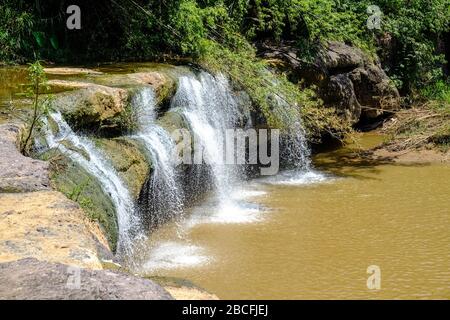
[{"x": 43, "y": 233}]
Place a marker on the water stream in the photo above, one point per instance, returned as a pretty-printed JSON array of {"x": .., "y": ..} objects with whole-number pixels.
[
  {"x": 209, "y": 107},
  {"x": 162, "y": 197},
  {"x": 98, "y": 166},
  {"x": 302, "y": 234}
]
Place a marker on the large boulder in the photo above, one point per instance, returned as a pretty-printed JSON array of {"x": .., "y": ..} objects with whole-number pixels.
[
  {"x": 104, "y": 104},
  {"x": 36, "y": 280},
  {"x": 94, "y": 107},
  {"x": 339, "y": 56},
  {"x": 374, "y": 90},
  {"x": 17, "y": 172},
  {"x": 346, "y": 77}
]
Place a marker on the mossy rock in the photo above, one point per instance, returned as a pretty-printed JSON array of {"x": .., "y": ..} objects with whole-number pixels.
[
  {"x": 104, "y": 107},
  {"x": 96, "y": 108},
  {"x": 163, "y": 84},
  {"x": 173, "y": 120},
  {"x": 80, "y": 186},
  {"x": 128, "y": 160}
]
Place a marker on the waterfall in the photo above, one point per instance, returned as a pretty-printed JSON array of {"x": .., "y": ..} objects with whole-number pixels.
[
  {"x": 99, "y": 167},
  {"x": 161, "y": 198},
  {"x": 210, "y": 108},
  {"x": 295, "y": 149}
]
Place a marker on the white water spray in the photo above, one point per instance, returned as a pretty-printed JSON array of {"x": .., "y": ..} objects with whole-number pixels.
[
  {"x": 98, "y": 166},
  {"x": 162, "y": 197}
]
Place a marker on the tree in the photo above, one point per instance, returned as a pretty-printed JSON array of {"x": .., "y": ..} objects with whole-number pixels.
[{"x": 38, "y": 82}]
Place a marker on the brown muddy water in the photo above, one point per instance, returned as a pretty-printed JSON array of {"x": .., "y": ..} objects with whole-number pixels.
[{"x": 313, "y": 236}]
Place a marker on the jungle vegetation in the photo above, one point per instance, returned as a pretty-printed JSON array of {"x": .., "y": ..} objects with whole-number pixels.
[{"x": 220, "y": 35}]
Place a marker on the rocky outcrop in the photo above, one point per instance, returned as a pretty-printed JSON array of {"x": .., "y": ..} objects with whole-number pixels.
[
  {"x": 48, "y": 226},
  {"x": 346, "y": 77},
  {"x": 102, "y": 104},
  {"x": 17, "y": 172},
  {"x": 38, "y": 222},
  {"x": 94, "y": 107},
  {"x": 182, "y": 289},
  {"x": 32, "y": 279},
  {"x": 67, "y": 71}
]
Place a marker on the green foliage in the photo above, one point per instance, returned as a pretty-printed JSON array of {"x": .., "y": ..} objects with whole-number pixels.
[
  {"x": 38, "y": 83},
  {"x": 15, "y": 26},
  {"x": 416, "y": 27},
  {"x": 218, "y": 34},
  {"x": 439, "y": 91},
  {"x": 281, "y": 102},
  {"x": 77, "y": 190}
]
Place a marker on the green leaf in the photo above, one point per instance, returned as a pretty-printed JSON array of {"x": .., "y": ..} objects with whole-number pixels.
[
  {"x": 39, "y": 37},
  {"x": 54, "y": 42}
]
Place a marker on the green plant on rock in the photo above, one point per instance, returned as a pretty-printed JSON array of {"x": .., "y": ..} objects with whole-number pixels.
[
  {"x": 280, "y": 101},
  {"x": 78, "y": 189},
  {"x": 40, "y": 107}
]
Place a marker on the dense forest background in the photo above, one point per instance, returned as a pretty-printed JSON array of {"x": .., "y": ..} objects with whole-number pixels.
[{"x": 413, "y": 41}]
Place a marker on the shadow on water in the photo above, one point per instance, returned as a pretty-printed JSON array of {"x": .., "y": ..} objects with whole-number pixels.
[{"x": 355, "y": 160}]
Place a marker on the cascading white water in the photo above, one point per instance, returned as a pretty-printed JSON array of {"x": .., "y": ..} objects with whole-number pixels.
[
  {"x": 98, "y": 166},
  {"x": 296, "y": 150},
  {"x": 210, "y": 108},
  {"x": 163, "y": 195}
]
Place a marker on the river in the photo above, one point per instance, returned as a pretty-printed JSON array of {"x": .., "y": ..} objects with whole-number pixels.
[
  {"x": 314, "y": 237},
  {"x": 309, "y": 235}
]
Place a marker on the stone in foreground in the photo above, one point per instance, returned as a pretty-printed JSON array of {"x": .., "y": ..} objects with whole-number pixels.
[
  {"x": 17, "y": 172},
  {"x": 32, "y": 279}
]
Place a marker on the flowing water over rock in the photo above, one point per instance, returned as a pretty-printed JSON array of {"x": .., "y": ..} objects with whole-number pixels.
[
  {"x": 162, "y": 197},
  {"x": 94, "y": 162},
  {"x": 209, "y": 106}
]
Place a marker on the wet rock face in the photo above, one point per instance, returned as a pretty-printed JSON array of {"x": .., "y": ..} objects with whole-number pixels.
[
  {"x": 17, "y": 172},
  {"x": 129, "y": 161},
  {"x": 32, "y": 279},
  {"x": 75, "y": 182},
  {"x": 346, "y": 77}
]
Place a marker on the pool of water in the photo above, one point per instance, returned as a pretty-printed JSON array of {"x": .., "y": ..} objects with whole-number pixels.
[{"x": 313, "y": 235}]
